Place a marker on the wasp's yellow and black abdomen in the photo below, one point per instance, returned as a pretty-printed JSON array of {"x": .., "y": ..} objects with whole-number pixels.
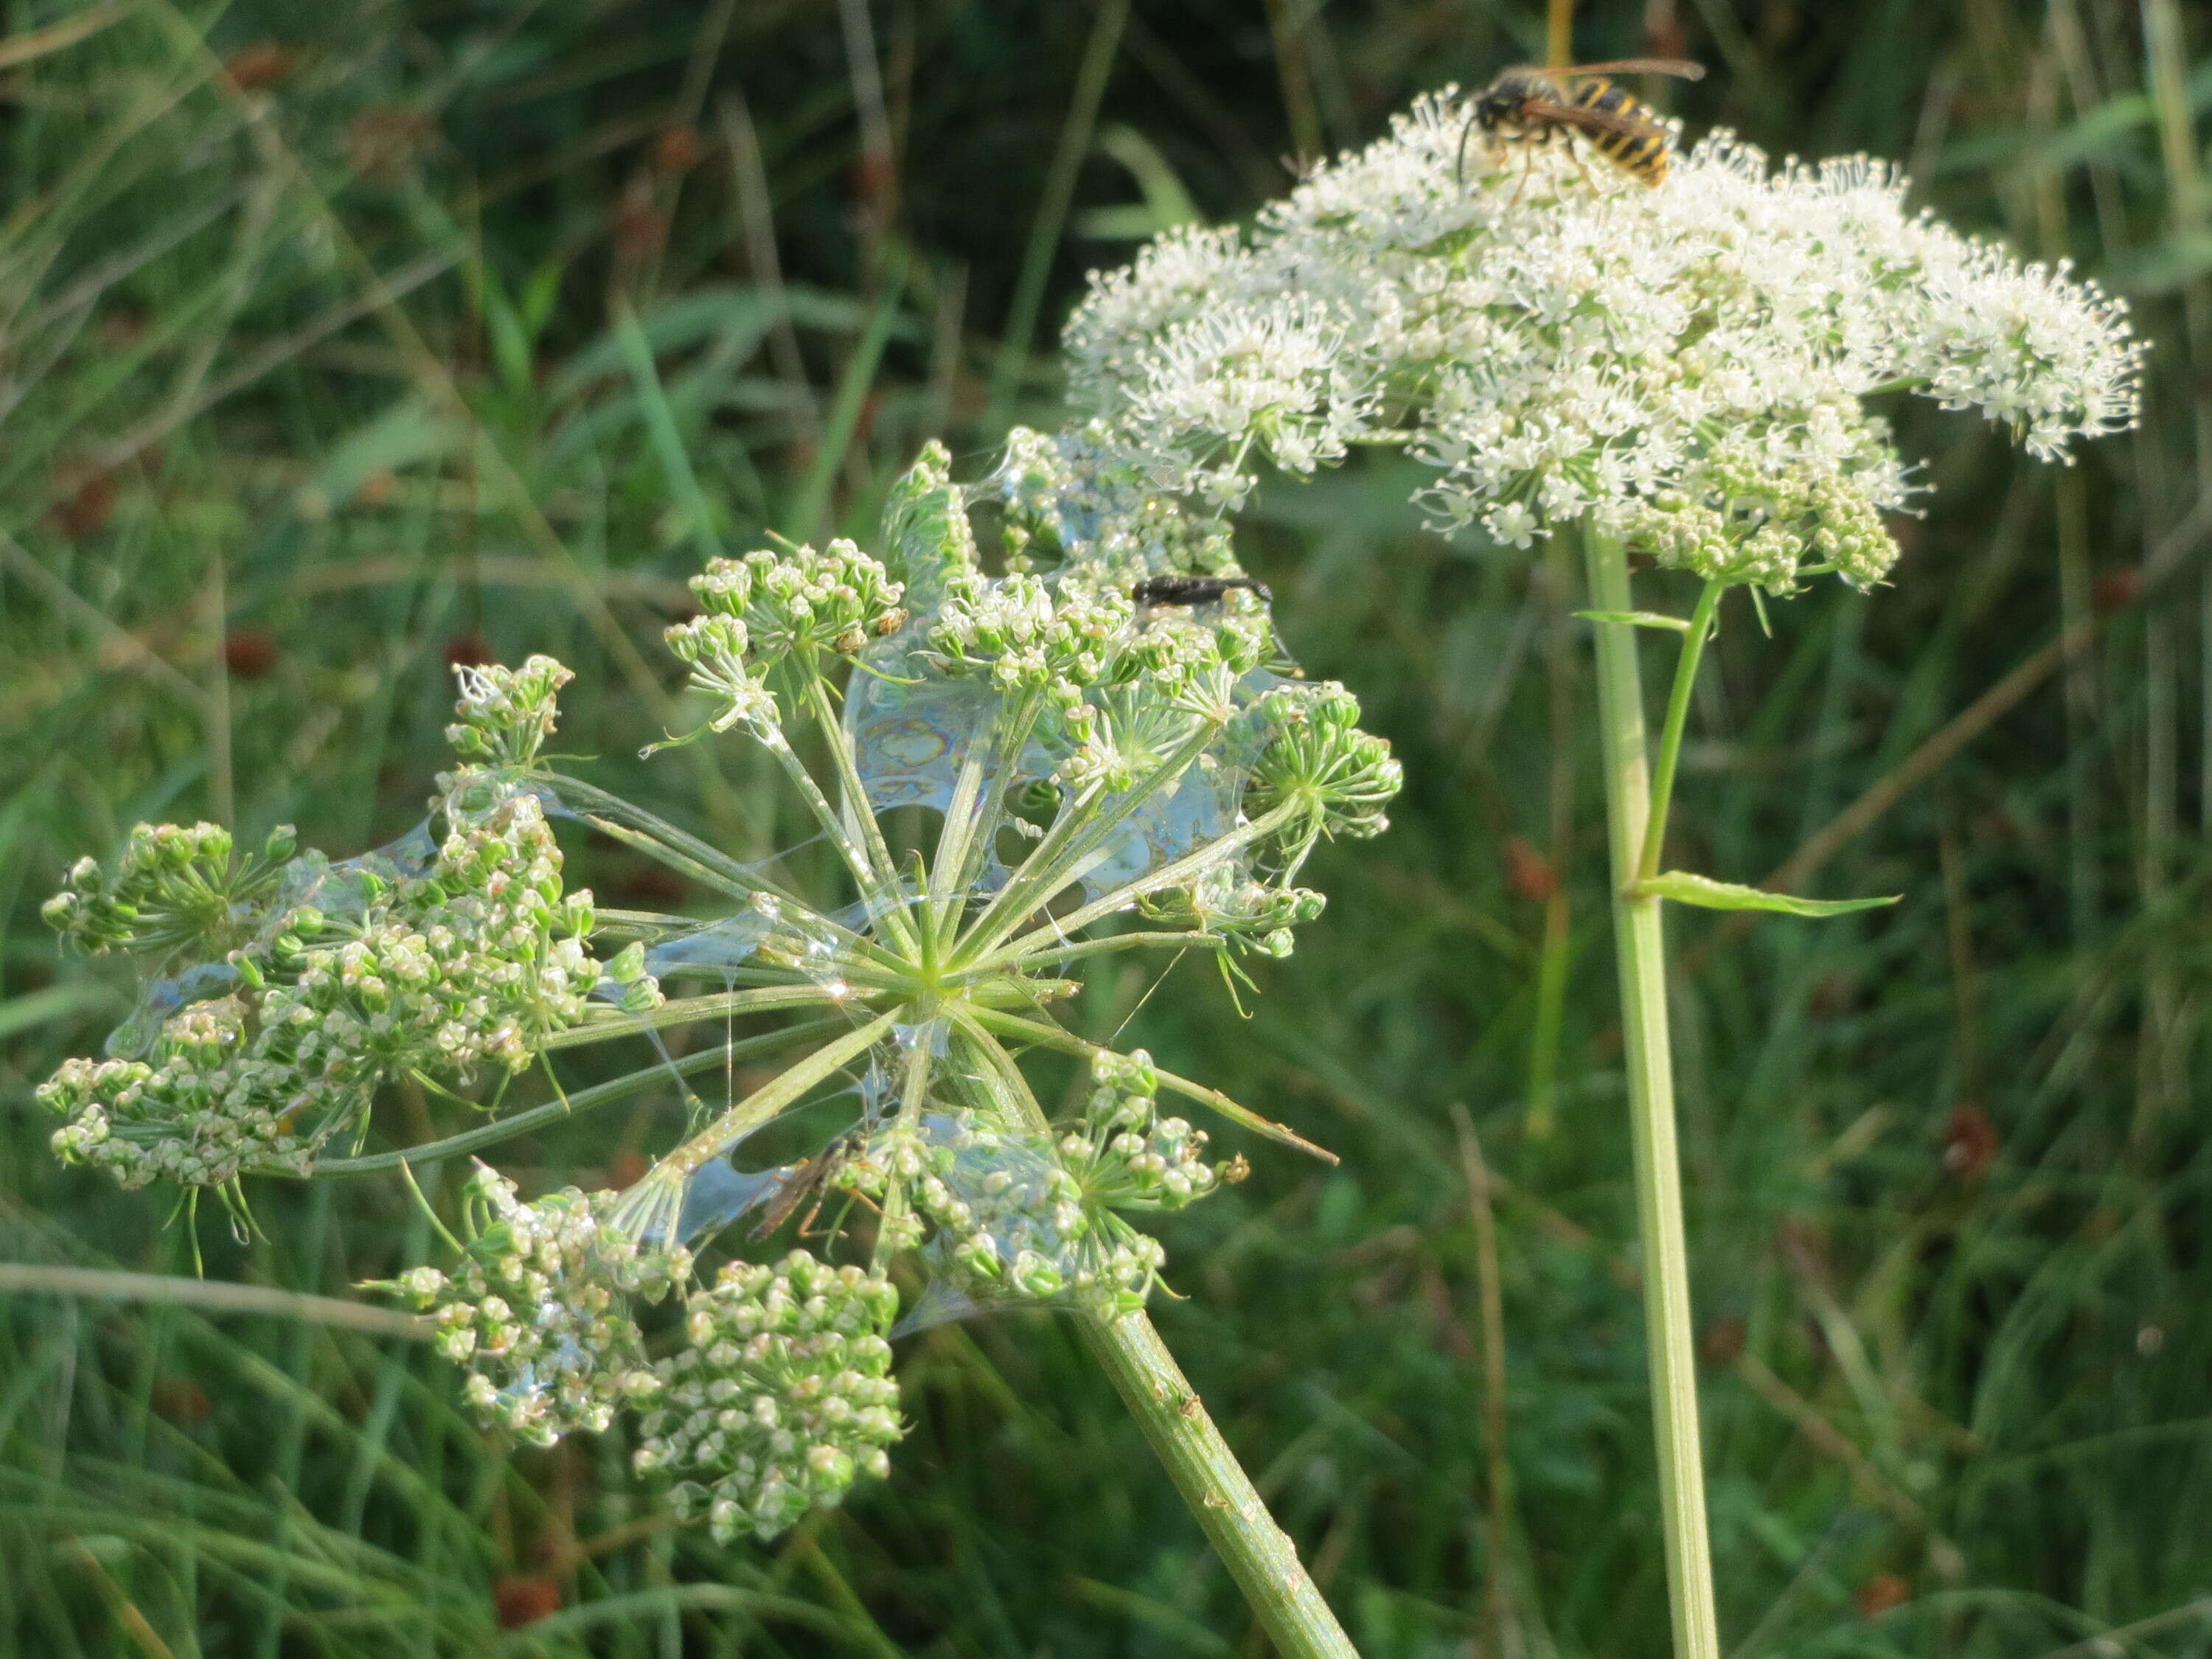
[{"x": 1641, "y": 148}]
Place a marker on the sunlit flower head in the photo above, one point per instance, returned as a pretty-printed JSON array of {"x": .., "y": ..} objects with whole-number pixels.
[{"x": 1688, "y": 367}]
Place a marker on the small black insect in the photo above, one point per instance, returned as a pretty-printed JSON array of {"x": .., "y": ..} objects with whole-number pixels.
[{"x": 1194, "y": 590}]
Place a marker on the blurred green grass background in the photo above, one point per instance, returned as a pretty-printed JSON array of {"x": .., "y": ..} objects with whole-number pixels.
[{"x": 338, "y": 344}]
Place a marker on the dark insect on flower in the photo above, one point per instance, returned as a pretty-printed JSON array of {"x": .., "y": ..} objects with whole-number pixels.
[
  {"x": 1194, "y": 590},
  {"x": 1532, "y": 106}
]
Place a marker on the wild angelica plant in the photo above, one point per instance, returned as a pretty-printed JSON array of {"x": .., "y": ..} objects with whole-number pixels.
[
  {"x": 1101, "y": 776},
  {"x": 1684, "y": 371}
]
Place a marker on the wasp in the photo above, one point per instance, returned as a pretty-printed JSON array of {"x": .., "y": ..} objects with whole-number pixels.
[
  {"x": 1529, "y": 106},
  {"x": 1194, "y": 590}
]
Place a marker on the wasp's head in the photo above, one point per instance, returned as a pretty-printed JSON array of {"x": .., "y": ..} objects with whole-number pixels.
[{"x": 1501, "y": 106}]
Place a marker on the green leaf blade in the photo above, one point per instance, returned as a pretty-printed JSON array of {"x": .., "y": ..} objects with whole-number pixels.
[{"x": 1683, "y": 888}]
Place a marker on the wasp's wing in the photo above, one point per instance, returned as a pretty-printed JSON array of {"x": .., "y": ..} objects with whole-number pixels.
[
  {"x": 1682, "y": 68},
  {"x": 1624, "y": 124}
]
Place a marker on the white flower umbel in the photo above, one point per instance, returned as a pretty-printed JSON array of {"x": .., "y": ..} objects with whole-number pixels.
[{"x": 1688, "y": 367}]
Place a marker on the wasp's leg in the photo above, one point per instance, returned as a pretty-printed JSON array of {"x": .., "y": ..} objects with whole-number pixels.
[{"x": 1527, "y": 167}]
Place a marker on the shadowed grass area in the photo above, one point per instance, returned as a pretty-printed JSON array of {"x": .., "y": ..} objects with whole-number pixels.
[{"x": 343, "y": 344}]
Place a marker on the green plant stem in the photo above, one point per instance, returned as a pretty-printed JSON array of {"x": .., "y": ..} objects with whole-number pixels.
[
  {"x": 583, "y": 1100},
  {"x": 605, "y": 1025},
  {"x": 1640, "y": 946},
  {"x": 659, "y": 840},
  {"x": 1066, "y": 1042},
  {"x": 1093, "y": 947},
  {"x": 876, "y": 883},
  {"x": 855, "y": 805},
  {"x": 1258, "y": 1553},
  {"x": 1678, "y": 717},
  {"x": 1057, "y": 929},
  {"x": 213, "y": 1296},
  {"x": 1083, "y": 826},
  {"x": 945, "y": 898},
  {"x": 789, "y": 1087},
  {"x": 961, "y": 850}
]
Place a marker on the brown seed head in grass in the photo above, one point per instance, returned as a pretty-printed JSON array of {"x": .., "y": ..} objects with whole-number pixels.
[
  {"x": 383, "y": 142},
  {"x": 84, "y": 501},
  {"x": 676, "y": 150},
  {"x": 524, "y": 1601},
  {"x": 260, "y": 65},
  {"x": 1971, "y": 1143},
  {"x": 1528, "y": 873},
  {"x": 249, "y": 654},
  {"x": 1882, "y": 1592}
]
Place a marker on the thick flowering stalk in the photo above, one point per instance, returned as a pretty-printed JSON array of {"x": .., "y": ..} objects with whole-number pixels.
[
  {"x": 1686, "y": 372},
  {"x": 1094, "y": 776}
]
